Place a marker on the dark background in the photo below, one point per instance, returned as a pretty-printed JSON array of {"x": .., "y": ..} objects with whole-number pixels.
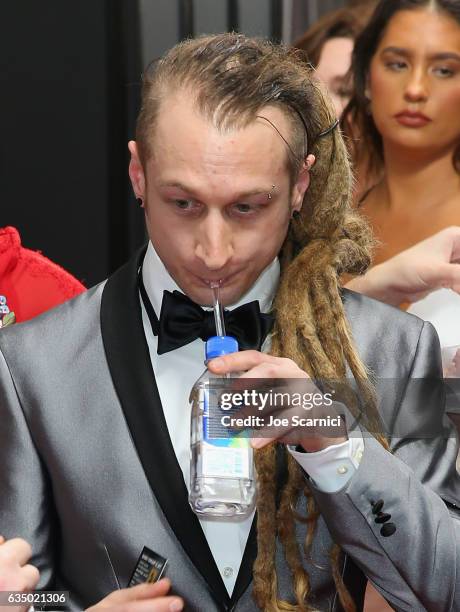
[{"x": 69, "y": 83}]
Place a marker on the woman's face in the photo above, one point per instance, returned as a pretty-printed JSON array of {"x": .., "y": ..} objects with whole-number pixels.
[
  {"x": 333, "y": 65},
  {"x": 414, "y": 82}
]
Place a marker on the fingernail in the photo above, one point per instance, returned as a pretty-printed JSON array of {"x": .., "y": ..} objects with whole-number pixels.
[{"x": 176, "y": 605}]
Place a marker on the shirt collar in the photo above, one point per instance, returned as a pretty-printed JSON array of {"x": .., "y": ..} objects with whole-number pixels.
[{"x": 157, "y": 279}]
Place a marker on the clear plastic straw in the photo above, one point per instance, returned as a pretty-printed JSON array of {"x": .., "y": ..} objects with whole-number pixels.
[{"x": 218, "y": 310}]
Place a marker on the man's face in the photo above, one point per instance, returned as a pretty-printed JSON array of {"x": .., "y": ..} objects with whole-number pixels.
[{"x": 217, "y": 203}]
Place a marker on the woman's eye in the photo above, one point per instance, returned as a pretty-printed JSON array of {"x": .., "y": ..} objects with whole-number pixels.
[
  {"x": 396, "y": 66},
  {"x": 344, "y": 92},
  {"x": 443, "y": 71}
]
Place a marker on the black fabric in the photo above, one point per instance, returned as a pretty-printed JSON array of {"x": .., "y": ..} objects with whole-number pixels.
[
  {"x": 182, "y": 321},
  {"x": 355, "y": 581},
  {"x": 129, "y": 362},
  {"x": 131, "y": 370}
]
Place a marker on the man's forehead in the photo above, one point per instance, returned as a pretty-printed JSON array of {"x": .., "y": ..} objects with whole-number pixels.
[
  {"x": 181, "y": 108},
  {"x": 182, "y": 129}
]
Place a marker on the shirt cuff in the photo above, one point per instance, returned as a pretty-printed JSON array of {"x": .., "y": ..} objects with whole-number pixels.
[{"x": 332, "y": 468}]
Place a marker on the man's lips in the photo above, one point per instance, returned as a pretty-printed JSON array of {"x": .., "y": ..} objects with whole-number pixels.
[
  {"x": 207, "y": 281},
  {"x": 412, "y": 119}
]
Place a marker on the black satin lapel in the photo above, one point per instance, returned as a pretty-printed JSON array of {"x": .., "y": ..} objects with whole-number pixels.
[
  {"x": 129, "y": 362},
  {"x": 244, "y": 578},
  {"x": 245, "y": 574}
]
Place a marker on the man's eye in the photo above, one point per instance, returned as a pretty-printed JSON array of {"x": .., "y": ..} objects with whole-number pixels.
[
  {"x": 244, "y": 208},
  {"x": 184, "y": 204}
]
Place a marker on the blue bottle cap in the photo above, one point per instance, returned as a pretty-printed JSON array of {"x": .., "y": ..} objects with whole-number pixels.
[{"x": 220, "y": 345}]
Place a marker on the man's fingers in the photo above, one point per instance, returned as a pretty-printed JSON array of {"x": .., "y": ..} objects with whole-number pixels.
[
  {"x": 141, "y": 591},
  {"x": 258, "y": 443},
  {"x": 256, "y": 365},
  {"x": 141, "y": 598},
  {"x": 239, "y": 362},
  {"x": 17, "y": 549}
]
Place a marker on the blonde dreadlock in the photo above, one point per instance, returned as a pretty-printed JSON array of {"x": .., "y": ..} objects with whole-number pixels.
[
  {"x": 327, "y": 240},
  {"x": 233, "y": 78}
]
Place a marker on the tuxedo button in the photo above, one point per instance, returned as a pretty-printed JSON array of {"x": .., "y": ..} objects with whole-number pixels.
[
  {"x": 342, "y": 470},
  {"x": 377, "y": 506},
  {"x": 382, "y": 517},
  {"x": 227, "y": 572},
  {"x": 388, "y": 529}
]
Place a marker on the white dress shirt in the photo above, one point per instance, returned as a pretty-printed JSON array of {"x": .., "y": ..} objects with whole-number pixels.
[{"x": 175, "y": 375}]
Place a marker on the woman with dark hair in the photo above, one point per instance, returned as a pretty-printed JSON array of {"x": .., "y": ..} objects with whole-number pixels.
[
  {"x": 405, "y": 109},
  {"x": 328, "y": 45}
]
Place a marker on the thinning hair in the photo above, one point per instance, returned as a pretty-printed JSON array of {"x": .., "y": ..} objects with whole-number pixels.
[{"x": 232, "y": 78}]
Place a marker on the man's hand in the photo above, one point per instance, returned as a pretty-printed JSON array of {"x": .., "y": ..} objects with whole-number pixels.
[
  {"x": 15, "y": 572},
  {"x": 260, "y": 365},
  {"x": 414, "y": 273},
  {"x": 141, "y": 598}
]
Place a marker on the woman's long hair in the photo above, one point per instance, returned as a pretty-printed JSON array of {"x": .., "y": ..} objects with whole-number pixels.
[
  {"x": 345, "y": 22},
  {"x": 358, "y": 124}
]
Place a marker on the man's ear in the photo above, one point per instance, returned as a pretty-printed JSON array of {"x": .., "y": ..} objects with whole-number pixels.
[
  {"x": 301, "y": 185},
  {"x": 136, "y": 171}
]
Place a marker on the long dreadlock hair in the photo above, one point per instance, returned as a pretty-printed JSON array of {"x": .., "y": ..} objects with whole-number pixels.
[{"x": 232, "y": 78}]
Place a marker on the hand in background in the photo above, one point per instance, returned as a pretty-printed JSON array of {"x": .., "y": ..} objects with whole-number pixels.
[
  {"x": 141, "y": 598},
  {"x": 451, "y": 367},
  {"x": 15, "y": 572},
  {"x": 414, "y": 273}
]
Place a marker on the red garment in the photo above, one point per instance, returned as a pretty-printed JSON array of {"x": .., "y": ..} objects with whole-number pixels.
[{"x": 29, "y": 282}]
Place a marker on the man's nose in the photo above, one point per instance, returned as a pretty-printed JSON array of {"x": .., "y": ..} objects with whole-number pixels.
[
  {"x": 417, "y": 87},
  {"x": 214, "y": 245}
]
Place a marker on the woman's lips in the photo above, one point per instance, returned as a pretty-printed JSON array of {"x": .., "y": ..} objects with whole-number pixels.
[{"x": 415, "y": 120}]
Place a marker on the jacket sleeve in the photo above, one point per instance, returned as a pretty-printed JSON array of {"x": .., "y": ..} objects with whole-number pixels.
[
  {"x": 24, "y": 486},
  {"x": 414, "y": 560}
]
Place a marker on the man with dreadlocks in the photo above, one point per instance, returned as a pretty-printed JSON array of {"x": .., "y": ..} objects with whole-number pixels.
[{"x": 244, "y": 179}]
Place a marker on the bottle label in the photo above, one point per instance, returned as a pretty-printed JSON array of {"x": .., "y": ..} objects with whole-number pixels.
[
  {"x": 223, "y": 454},
  {"x": 225, "y": 462}
]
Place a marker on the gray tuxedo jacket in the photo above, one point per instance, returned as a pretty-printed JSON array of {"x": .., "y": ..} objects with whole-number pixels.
[{"x": 89, "y": 476}]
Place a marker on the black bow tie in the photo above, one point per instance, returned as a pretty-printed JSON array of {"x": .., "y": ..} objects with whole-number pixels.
[{"x": 182, "y": 321}]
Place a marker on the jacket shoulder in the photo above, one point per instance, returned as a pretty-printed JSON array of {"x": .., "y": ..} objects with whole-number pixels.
[
  {"x": 71, "y": 323},
  {"x": 386, "y": 337},
  {"x": 358, "y": 305}
]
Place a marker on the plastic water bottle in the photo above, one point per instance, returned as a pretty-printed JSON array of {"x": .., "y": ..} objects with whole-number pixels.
[{"x": 221, "y": 469}]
